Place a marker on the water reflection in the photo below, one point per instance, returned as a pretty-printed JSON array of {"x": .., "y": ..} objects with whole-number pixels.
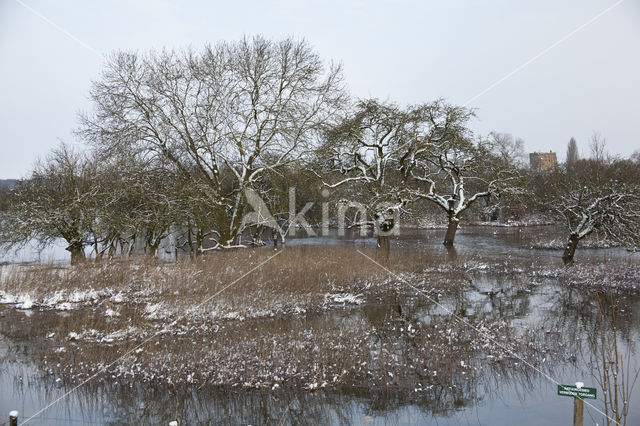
[{"x": 422, "y": 362}]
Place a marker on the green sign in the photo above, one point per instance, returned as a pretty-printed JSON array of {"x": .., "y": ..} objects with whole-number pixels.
[{"x": 571, "y": 390}]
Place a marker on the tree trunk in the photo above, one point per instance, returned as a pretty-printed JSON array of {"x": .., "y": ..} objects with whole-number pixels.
[
  {"x": 153, "y": 248},
  {"x": 199, "y": 242},
  {"x": 452, "y": 253},
  {"x": 383, "y": 247},
  {"x": 223, "y": 226},
  {"x": 96, "y": 248},
  {"x": 132, "y": 245},
  {"x": 451, "y": 232},
  {"x": 190, "y": 242},
  {"x": 77, "y": 253},
  {"x": 570, "y": 249}
]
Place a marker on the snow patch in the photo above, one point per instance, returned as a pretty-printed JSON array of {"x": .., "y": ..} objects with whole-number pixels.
[
  {"x": 26, "y": 303},
  {"x": 154, "y": 310},
  {"x": 117, "y": 298},
  {"x": 65, "y": 306},
  {"x": 111, "y": 313},
  {"x": 344, "y": 298}
]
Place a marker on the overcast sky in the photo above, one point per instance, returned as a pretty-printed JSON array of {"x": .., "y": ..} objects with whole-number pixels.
[{"x": 404, "y": 51}]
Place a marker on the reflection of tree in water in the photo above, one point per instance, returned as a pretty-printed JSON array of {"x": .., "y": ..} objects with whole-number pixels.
[
  {"x": 403, "y": 339},
  {"x": 609, "y": 353},
  {"x": 459, "y": 368},
  {"x": 600, "y": 327}
]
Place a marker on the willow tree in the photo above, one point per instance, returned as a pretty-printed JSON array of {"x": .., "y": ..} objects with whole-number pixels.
[{"x": 221, "y": 117}]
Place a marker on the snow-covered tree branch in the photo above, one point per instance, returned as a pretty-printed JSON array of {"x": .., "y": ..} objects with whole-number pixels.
[
  {"x": 58, "y": 201},
  {"x": 363, "y": 152},
  {"x": 221, "y": 117},
  {"x": 445, "y": 166},
  {"x": 611, "y": 208}
]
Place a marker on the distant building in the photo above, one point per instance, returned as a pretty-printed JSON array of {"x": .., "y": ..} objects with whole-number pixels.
[{"x": 543, "y": 161}]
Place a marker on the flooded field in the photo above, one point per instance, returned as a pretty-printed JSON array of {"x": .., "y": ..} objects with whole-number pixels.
[{"x": 328, "y": 332}]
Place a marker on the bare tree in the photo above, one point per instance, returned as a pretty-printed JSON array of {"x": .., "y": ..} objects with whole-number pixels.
[
  {"x": 366, "y": 148},
  {"x": 598, "y": 147},
  {"x": 446, "y": 167},
  {"x": 421, "y": 152},
  {"x": 601, "y": 194},
  {"x": 508, "y": 147},
  {"x": 221, "y": 117},
  {"x": 58, "y": 201},
  {"x": 612, "y": 209},
  {"x": 289, "y": 207}
]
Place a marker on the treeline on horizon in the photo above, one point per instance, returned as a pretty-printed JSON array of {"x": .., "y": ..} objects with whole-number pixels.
[{"x": 178, "y": 139}]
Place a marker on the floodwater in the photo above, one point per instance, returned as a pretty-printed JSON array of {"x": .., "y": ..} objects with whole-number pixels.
[{"x": 491, "y": 393}]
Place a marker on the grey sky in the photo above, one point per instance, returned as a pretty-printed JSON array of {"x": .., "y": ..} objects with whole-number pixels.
[{"x": 405, "y": 51}]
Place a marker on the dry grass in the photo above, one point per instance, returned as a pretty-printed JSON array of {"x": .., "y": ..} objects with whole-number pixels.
[
  {"x": 375, "y": 348},
  {"x": 297, "y": 278},
  {"x": 312, "y": 317}
]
